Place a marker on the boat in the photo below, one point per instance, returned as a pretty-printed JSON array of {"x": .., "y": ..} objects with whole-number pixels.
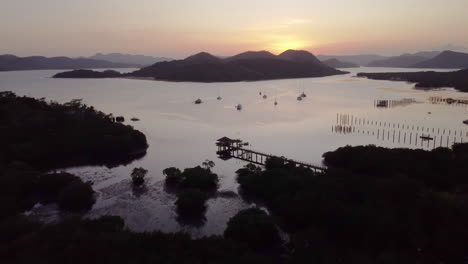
[
  {"x": 276, "y": 102},
  {"x": 134, "y": 119},
  {"x": 219, "y": 98},
  {"x": 264, "y": 96},
  {"x": 198, "y": 101},
  {"x": 299, "y": 98},
  {"x": 303, "y": 95},
  {"x": 239, "y": 107},
  {"x": 426, "y": 138},
  {"x": 465, "y": 122}
]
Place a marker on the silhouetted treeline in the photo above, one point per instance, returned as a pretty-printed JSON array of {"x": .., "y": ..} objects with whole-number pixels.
[
  {"x": 38, "y": 137},
  {"x": 51, "y": 135},
  {"x": 105, "y": 240},
  {"x": 372, "y": 205},
  {"x": 429, "y": 79}
]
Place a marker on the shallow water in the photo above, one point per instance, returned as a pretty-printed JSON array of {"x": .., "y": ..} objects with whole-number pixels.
[{"x": 183, "y": 134}]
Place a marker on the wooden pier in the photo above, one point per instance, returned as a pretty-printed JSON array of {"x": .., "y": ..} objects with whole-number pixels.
[{"x": 235, "y": 148}]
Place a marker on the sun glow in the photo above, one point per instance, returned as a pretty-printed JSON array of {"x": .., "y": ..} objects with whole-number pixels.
[{"x": 281, "y": 46}]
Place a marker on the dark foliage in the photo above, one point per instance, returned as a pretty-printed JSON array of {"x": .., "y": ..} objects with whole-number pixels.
[
  {"x": 367, "y": 212},
  {"x": 106, "y": 241},
  {"x": 49, "y": 135},
  {"x": 76, "y": 196},
  {"x": 173, "y": 176},
  {"x": 440, "y": 169},
  {"x": 138, "y": 176},
  {"x": 25, "y": 187},
  {"x": 191, "y": 203},
  {"x": 428, "y": 79},
  {"x": 253, "y": 227},
  {"x": 192, "y": 178}
]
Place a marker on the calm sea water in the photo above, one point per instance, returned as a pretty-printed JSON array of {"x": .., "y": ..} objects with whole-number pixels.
[{"x": 183, "y": 134}]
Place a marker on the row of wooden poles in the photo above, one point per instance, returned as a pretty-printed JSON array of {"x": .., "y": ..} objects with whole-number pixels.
[
  {"x": 403, "y": 137},
  {"x": 394, "y": 103},
  {"x": 449, "y": 101},
  {"x": 350, "y": 120}
]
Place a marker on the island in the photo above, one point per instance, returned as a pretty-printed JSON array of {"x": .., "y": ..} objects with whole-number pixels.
[
  {"x": 248, "y": 66},
  {"x": 90, "y": 74},
  {"x": 426, "y": 79}
]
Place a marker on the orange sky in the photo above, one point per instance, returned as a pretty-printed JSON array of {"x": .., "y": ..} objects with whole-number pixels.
[{"x": 177, "y": 28}]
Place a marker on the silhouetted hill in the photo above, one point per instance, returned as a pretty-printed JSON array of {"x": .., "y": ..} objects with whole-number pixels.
[
  {"x": 428, "y": 79},
  {"x": 334, "y": 63},
  {"x": 82, "y": 74},
  {"x": 299, "y": 56},
  {"x": 403, "y": 61},
  {"x": 141, "y": 60},
  {"x": 14, "y": 63},
  {"x": 252, "y": 55},
  {"x": 202, "y": 57},
  {"x": 361, "y": 60},
  {"x": 447, "y": 59},
  {"x": 250, "y": 66}
]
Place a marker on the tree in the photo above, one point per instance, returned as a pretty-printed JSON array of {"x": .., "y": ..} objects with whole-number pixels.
[
  {"x": 173, "y": 176},
  {"x": 138, "y": 176},
  {"x": 76, "y": 196},
  {"x": 191, "y": 203},
  {"x": 208, "y": 164},
  {"x": 254, "y": 227}
]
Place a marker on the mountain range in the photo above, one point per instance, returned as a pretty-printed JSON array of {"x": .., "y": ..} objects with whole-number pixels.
[
  {"x": 335, "y": 63},
  {"x": 140, "y": 60},
  {"x": 247, "y": 66},
  {"x": 446, "y": 59},
  {"x": 361, "y": 60},
  {"x": 14, "y": 63}
]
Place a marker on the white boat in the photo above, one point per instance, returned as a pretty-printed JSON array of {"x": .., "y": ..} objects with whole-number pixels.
[
  {"x": 239, "y": 107},
  {"x": 198, "y": 101}
]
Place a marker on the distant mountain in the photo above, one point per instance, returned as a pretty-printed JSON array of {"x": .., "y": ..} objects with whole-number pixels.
[
  {"x": 427, "y": 54},
  {"x": 299, "y": 56},
  {"x": 250, "y": 66},
  {"x": 426, "y": 79},
  {"x": 405, "y": 60},
  {"x": 447, "y": 59},
  {"x": 252, "y": 55},
  {"x": 402, "y": 61},
  {"x": 14, "y": 63},
  {"x": 334, "y": 63},
  {"x": 361, "y": 60},
  {"x": 141, "y": 60},
  {"x": 452, "y": 47}
]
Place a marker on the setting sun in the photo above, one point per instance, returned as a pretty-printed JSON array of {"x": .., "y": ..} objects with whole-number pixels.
[{"x": 288, "y": 44}]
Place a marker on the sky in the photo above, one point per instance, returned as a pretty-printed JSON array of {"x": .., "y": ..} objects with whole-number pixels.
[{"x": 178, "y": 28}]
